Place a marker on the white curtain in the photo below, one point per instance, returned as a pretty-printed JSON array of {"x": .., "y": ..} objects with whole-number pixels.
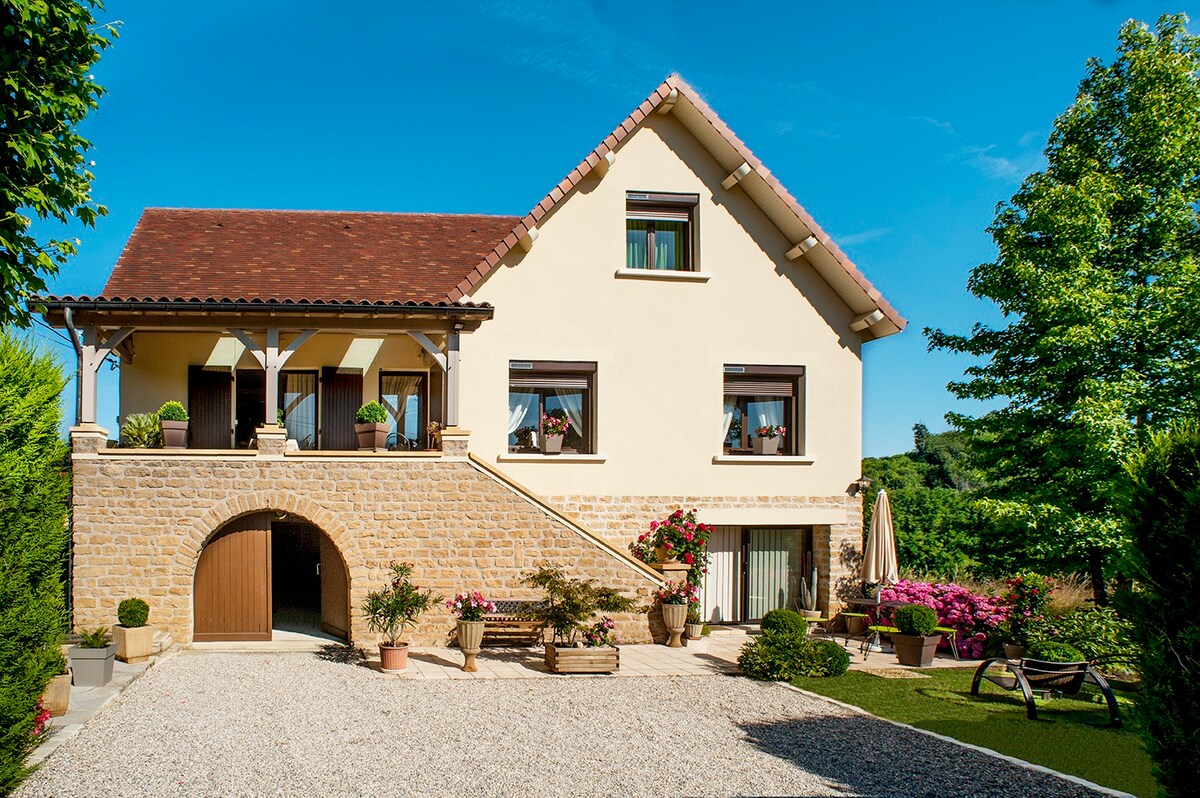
[
  {"x": 518, "y": 407},
  {"x": 770, "y": 412},
  {"x": 572, "y": 402},
  {"x": 730, "y": 404}
]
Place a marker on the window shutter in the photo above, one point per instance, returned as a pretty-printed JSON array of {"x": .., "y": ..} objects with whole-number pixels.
[
  {"x": 547, "y": 381},
  {"x": 760, "y": 387}
]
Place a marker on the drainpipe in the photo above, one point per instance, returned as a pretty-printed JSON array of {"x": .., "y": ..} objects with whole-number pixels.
[{"x": 68, "y": 317}]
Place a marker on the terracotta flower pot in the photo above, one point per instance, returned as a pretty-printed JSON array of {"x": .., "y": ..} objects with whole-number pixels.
[
  {"x": 174, "y": 434},
  {"x": 915, "y": 650},
  {"x": 372, "y": 437},
  {"x": 664, "y": 555},
  {"x": 675, "y": 617},
  {"x": 551, "y": 444},
  {"x": 470, "y": 639},
  {"x": 393, "y": 659},
  {"x": 765, "y": 445}
]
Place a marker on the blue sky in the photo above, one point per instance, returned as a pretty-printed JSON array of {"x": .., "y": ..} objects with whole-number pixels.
[{"x": 898, "y": 126}]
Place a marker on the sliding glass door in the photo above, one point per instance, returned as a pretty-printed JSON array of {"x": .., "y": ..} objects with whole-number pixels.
[{"x": 773, "y": 570}]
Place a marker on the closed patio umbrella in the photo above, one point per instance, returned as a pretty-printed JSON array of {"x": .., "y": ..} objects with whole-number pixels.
[{"x": 879, "y": 560}]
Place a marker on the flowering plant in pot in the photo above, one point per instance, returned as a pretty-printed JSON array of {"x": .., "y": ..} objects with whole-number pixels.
[
  {"x": 371, "y": 427},
  {"x": 568, "y": 609},
  {"x": 433, "y": 432},
  {"x": 694, "y": 626},
  {"x": 469, "y": 609},
  {"x": 1026, "y": 602},
  {"x": 677, "y": 538},
  {"x": 134, "y": 639},
  {"x": 390, "y": 611},
  {"x": 173, "y": 424},
  {"x": 766, "y": 438},
  {"x": 554, "y": 427},
  {"x": 916, "y": 641},
  {"x": 676, "y": 599}
]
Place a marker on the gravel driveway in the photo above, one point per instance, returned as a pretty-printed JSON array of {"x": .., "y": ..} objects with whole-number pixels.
[{"x": 291, "y": 724}]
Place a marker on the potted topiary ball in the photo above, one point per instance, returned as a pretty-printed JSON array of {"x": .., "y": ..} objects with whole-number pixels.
[
  {"x": 372, "y": 427},
  {"x": 916, "y": 642},
  {"x": 173, "y": 419},
  {"x": 92, "y": 659},
  {"x": 134, "y": 639}
]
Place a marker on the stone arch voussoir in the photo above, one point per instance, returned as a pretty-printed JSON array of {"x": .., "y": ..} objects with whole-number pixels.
[{"x": 234, "y": 507}]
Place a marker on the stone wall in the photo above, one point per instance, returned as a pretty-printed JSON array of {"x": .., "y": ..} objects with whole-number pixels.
[
  {"x": 142, "y": 519},
  {"x": 837, "y": 547}
]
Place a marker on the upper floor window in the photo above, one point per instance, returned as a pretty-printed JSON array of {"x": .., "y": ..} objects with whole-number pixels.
[
  {"x": 555, "y": 388},
  {"x": 660, "y": 231},
  {"x": 759, "y": 400}
]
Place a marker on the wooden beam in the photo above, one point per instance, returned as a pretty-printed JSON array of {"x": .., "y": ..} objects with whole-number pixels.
[
  {"x": 736, "y": 176},
  {"x": 272, "y": 358},
  {"x": 526, "y": 241},
  {"x": 801, "y": 248},
  {"x": 429, "y": 346},
  {"x": 668, "y": 103},
  {"x": 602, "y": 166},
  {"x": 92, "y": 354},
  {"x": 867, "y": 320},
  {"x": 452, "y": 379}
]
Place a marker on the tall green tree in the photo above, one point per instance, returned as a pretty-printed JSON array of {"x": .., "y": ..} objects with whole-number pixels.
[
  {"x": 33, "y": 542},
  {"x": 1097, "y": 276},
  {"x": 47, "y": 48}
]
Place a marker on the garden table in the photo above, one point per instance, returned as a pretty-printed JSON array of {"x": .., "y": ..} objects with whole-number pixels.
[{"x": 871, "y": 642}]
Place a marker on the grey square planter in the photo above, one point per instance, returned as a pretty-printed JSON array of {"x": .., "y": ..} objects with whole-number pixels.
[{"x": 92, "y": 667}]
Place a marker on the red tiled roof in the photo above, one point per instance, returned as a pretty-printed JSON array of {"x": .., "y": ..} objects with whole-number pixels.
[{"x": 302, "y": 256}]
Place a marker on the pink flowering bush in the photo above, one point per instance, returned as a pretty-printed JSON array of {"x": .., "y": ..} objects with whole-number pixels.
[
  {"x": 975, "y": 617},
  {"x": 470, "y": 606},
  {"x": 600, "y": 633},
  {"x": 681, "y": 537}
]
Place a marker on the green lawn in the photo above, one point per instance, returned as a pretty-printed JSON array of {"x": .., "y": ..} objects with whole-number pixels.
[{"x": 1071, "y": 735}]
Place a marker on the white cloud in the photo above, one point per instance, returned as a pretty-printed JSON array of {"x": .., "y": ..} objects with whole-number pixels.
[{"x": 862, "y": 237}]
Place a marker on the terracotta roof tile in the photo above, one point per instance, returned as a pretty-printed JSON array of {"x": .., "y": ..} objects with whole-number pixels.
[{"x": 303, "y": 255}]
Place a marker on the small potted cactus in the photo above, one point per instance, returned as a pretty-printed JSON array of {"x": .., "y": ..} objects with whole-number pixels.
[
  {"x": 173, "y": 420},
  {"x": 371, "y": 427},
  {"x": 134, "y": 639},
  {"x": 92, "y": 659},
  {"x": 808, "y": 596}
]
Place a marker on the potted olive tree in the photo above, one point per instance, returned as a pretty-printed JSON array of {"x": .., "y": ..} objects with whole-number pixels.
[
  {"x": 92, "y": 659},
  {"x": 916, "y": 641},
  {"x": 134, "y": 639},
  {"x": 390, "y": 611},
  {"x": 580, "y": 644},
  {"x": 173, "y": 422},
  {"x": 371, "y": 427}
]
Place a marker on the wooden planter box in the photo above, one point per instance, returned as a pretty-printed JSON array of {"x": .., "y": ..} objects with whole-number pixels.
[{"x": 582, "y": 660}]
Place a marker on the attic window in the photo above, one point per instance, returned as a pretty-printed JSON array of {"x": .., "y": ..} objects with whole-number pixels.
[{"x": 660, "y": 231}]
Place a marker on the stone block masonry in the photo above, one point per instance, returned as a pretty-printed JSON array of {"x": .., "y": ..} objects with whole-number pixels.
[{"x": 141, "y": 520}]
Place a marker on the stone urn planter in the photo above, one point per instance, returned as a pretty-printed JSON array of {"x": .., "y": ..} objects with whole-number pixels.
[
  {"x": 134, "y": 643},
  {"x": 393, "y": 659},
  {"x": 470, "y": 640},
  {"x": 57, "y": 698},
  {"x": 693, "y": 631},
  {"x": 675, "y": 617},
  {"x": 571, "y": 659},
  {"x": 372, "y": 437},
  {"x": 915, "y": 650},
  {"x": 92, "y": 667},
  {"x": 551, "y": 444},
  {"x": 765, "y": 445},
  {"x": 1014, "y": 651}
]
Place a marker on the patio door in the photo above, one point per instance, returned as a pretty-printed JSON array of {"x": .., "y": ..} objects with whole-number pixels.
[
  {"x": 341, "y": 396},
  {"x": 721, "y": 596},
  {"x": 210, "y": 407},
  {"x": 772, "y": 569}
]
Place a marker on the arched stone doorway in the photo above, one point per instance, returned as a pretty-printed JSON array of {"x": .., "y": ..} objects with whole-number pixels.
[{"x": 270, "y": 576}]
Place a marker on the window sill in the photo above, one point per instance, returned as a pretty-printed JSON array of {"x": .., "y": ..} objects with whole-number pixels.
[
  {"x": 664, "y": 274},
  {"x": 513, "y": 457},
  {"x": 763, "y": 459}
]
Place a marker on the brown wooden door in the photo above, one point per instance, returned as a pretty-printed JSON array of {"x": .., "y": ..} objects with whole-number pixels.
[
  {"x": 335, "y": 591},
  {"x": 341, "y": 396},
  {"x": 232, "y": 597},
  {"x": 210, "y": 405}
]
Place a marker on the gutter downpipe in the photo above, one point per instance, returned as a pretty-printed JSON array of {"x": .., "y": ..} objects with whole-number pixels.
[{"x": 70, "y": 580}]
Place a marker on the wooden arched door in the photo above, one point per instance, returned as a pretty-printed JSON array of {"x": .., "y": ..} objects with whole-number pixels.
[{"x": 232, "y": 594}]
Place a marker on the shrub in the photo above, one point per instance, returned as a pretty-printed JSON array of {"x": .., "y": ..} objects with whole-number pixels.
[
  {"x": 1099, "y": 633},
  {"x": 97, "y": 638},
  {"x": 1026, "y": 600},
  {"x": 570, "y": 604},
  {"x": 786, "y": 621},
  {"x": 915, "y": 619},
  {"x": 975, "y": 615},
  {"x": 133, "y": 613},
  {"x": 390, "y": 611},
  {"x": 141, "y": 431},
  {"x": 780, "y": 655},
  {"x": 371, "y": 413},
  {"x": 172, "y": 411},
  {"x": 33, "y": 544},
  {"x": 1049, "y": 651},
  {"x": 1164, "y": 514}
]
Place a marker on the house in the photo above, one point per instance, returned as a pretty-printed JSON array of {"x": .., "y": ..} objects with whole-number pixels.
[{"x": 668, "y": 297}]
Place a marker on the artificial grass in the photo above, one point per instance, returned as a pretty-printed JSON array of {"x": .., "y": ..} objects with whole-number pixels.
[{"x": 1071, "y": 735}]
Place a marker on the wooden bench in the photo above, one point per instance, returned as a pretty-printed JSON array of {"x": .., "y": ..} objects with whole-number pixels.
[{"x": 512, "y": 623}]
